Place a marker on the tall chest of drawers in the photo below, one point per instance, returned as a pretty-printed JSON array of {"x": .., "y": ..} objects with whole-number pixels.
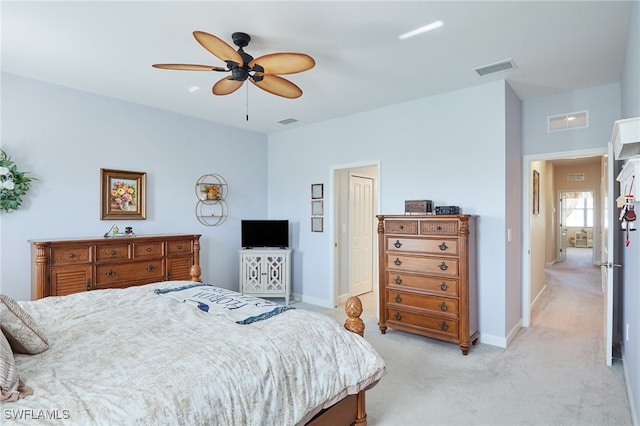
[
  {"x": 427, "y": 276},
  {"x": 61, "y": 267}
]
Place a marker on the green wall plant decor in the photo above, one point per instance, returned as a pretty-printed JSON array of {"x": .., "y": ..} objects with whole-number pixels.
[{"x": 13, "y": 184}]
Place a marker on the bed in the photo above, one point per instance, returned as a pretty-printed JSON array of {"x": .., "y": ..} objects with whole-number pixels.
[{"x": 140, "y": 355}]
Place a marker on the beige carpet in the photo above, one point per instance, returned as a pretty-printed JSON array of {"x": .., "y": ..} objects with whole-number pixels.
[{"x": 553, "y": 373}]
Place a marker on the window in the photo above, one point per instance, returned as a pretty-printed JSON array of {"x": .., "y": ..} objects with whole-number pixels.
[{"x": 578, "y": 208}]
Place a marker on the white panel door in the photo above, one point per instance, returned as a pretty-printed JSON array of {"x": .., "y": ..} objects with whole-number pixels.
[
  {"x": 608, "y": 246},
  {"x": 360, "y": 235}
]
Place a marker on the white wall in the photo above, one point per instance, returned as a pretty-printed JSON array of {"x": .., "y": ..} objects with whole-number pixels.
[
  {"x": 63, "y": 137},
  {"x": 448, "y": 148}
]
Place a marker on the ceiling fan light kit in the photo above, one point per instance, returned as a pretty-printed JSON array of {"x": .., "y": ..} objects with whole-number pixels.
[{"x": 263, "y": 71}]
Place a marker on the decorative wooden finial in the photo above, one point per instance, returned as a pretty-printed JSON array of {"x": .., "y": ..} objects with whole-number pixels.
[
  {"x": 353, "y": 309},
  {"x": 195, "y": 272}
]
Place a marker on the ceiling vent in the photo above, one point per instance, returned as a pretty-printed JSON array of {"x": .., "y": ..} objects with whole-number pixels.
[
  {"x": 287, "y": 121},
  {"x": 573, "y": 120},
  {"x": 505, "y": 65},
  {"x": 575, "y": 177}
]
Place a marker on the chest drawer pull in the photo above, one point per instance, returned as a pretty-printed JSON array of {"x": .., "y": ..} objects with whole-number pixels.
[
  {"x": 398, "y": 262},
  {"x": 443, "y": 246},
  {"x": 444, "y": 306},
  {"x": 398, "y": 317},
  {"x": 110, "y": 273},
  {"x": 444, "y": 326},
  {"x": 439, "y": 228},
  {"x": 398, "y": 280},
  {"x": 398, "y": 299},
  {"x": 151, "y": 268},
  {"x": 444, "y": 286},
  {"x": 113, "y": 252},
  {"x": 148, "y": 249},
  {"x": 179, "y": 246},
  {"x": 443, "y": 266},
  {"x": 397, "y": 244},
  {"x": 71, "y": 255}
]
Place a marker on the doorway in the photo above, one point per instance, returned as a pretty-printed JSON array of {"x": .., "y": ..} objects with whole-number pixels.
[{"x": 355, "y": 260}]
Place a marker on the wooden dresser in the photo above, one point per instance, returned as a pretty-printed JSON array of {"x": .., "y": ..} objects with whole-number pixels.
[
  {"x": 428, "y": 276},
  {"x": 61, "y": 267}
]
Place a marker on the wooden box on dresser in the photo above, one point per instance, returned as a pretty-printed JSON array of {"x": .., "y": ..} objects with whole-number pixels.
[
  {"x": 427, "y": 277},
  {"x": 61, "y": 267}
]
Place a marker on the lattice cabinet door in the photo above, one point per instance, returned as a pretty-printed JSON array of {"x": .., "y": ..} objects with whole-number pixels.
[{"x": 266, "y": 273}]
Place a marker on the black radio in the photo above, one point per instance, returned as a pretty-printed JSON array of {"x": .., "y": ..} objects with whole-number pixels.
[{"x": 447, "y": 210}]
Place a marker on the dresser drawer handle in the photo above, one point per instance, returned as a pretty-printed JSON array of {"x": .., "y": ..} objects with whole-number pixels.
[
  {"x": 444, "y": 326},
  {"x": 443, "y": 266},
  {"x": 398, "y": 262},
  {"x": 438, "y": 228},
  {"x": 397, "y": 244},
  {"x": 180, "y": 247},
  {"x": 401, "y": 226},
  {"x": 397, "y": 316},
  {"x": 398, "y": 280},
  {"x": 148, "y": 249},
  {"x": 113, "y": 252},
  {"x": 151, "y": 268},
  {"x": 444, "y": 286},
  {"x": 110, "y": 273},
  {"x": 72, "y": 255},
  {"x": 398, "y": 299},
  {"x": 443, "y": 246},
  {"x": 443, "y": 306}
]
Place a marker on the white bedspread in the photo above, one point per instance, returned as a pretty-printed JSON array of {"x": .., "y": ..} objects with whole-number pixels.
[{"x": 129, "y": 356}]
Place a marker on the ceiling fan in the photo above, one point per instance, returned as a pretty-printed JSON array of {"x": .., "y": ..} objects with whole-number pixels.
[{"x": 263, "y": 71}]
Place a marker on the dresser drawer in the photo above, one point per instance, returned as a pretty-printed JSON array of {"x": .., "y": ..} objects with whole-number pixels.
[
  {"x": 438, "y": 227},
  {"x": 112, "y": 252},
  {"x": 439, "y": 305},
  {"x": 426, "y": 245},
  {"x": 150, "y": 249},
  {"x": 112, "y": 275},
  {"x": 70, "y": 255},
  {"x": 401, "y": 227},
  {"x": 443, "y": 326},
  {"x": 443, "y": 286},
  {"x": 428, "y": 265},
  {"x": 178, "y": 247}
]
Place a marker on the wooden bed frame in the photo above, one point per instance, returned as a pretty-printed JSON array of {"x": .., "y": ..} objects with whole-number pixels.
[{"x": 352, "y": 409}]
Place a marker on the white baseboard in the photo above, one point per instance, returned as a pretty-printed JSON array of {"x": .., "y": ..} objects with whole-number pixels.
[
  {"x": 498, "y": 341},
  {"x": 632, "y": 405},
  {"x": 313, "y": 301}
]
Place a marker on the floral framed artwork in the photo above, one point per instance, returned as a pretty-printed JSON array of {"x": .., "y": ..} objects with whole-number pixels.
[
  {"x": 536, "y": 192},
  {"x": 316, "y": 224},
  {"x": 123, "y": 194},
  {"x": 317, "y": 190},
  {"x": 317, "y": 208}
]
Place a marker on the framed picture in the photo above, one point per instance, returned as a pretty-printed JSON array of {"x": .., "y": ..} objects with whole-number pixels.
[
  {"x": 317, "y": 208},
  {"x": 122, "y": 194},
  {"x": 316, "y": 224},
  {"x": 317, "y": 190},
  {"x": 536, "y": 192}
]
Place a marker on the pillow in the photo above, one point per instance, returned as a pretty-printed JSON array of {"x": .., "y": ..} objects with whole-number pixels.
[
  {"x": 21, "y": 331},
  {"x": 8, "y": 374}
]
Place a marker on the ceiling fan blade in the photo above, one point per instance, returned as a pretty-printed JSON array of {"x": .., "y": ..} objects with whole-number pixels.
[
  {"x": 218, "y": 47},
  {"x": 189, "y": 67},
  {"x": 278, "y": 86},
  {"x": 225, "y": 86},
  {"x": 284, "y": 63}
]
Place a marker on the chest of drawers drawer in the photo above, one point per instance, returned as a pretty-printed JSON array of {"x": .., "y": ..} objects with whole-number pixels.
[
  {"x": 112, "y": 252},
  {"x": 440, "y": 246},
  {"x": 70, "y": 255},
  {"x": 179, "y": 247},
  {"x": 401, "y": 319},
  {"x": 420, "y": 302},
  {"x": 107, "y": 275},
  {"x": 427, "y": 265},
  {"x": 148, "y": 249},
  {"x": 438, "y": 227},
  {"x": 442, "y": 286}
]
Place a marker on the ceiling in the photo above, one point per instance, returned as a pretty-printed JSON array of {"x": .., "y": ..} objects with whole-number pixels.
[{"x": 107, "y": 48}]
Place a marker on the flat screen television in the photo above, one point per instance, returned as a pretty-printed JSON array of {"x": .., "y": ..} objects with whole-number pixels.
[{"x": 265, "y": 233}]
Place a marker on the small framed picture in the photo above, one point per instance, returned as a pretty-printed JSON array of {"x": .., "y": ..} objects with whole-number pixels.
[
  {"x": 122, "y": 194},
  {"x": 317, "y": 208},
  {"x": 317, "y": 191},
  {"x": 316, "y": 224}
]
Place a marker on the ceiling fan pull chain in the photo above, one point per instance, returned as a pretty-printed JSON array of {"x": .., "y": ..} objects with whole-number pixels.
[{"x": 247, "y": 115}]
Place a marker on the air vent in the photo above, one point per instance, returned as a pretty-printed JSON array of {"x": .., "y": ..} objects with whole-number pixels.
[
  {"x": 573, "y": 120},
  {"x": 287, "y": 121},
  {"x": 575, "y": 176},
  {"x": 505, "y": 65}
]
